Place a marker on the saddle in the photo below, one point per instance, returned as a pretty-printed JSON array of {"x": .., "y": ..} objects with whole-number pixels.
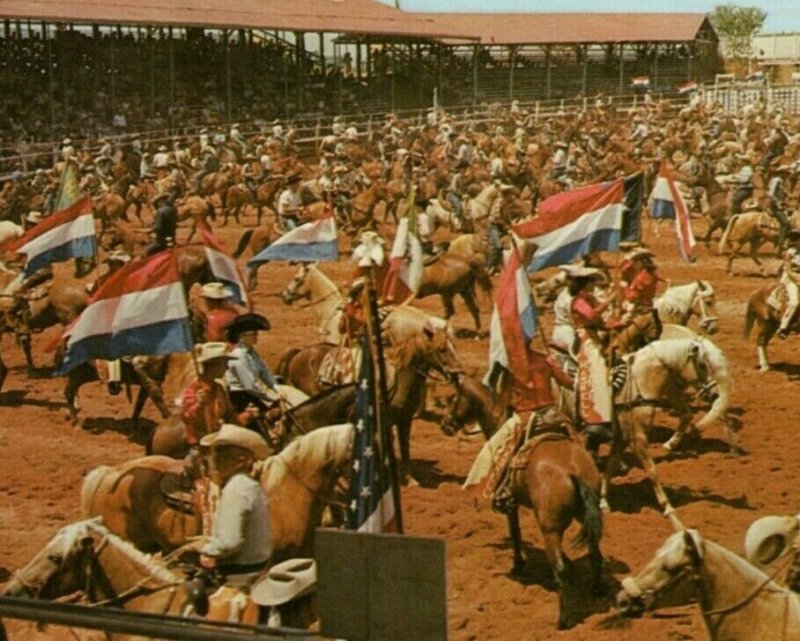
[
  {"x": 430, "y": 259},
  {"x": 766, "y": 221},
  {"x": 177, "y": 489},
  {"x": 338, "y": 367}
]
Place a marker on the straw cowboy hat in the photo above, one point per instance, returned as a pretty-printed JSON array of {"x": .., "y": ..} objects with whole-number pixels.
[
  {"x": 560, "y": 144},
  {"x": 233, "y": 435},
  {"x": 245, "y": 323},
  {"x": 285, "y": 582},
  {"x": 579, "y": 271},
  {"x": 117, "y": 256},
  {"x": 769, "y": 538},
  {"x": 34, "y": 217},
  {"x": 209, "y": 351},
  {"x": 216, "y": 291}
]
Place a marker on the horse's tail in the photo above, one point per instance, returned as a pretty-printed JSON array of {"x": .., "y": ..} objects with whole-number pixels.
[
  {"x": 723, "y": 241},
  {"x": 89, "y": 489},
  {"x": 588, "y": 505},
  {"x": 243, "y": 241},
  {"x": 283, "y": 366},
  {"x": 480, "y": 274}
]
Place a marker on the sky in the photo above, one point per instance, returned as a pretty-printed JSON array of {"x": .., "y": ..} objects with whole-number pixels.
[{"x": 782, "y": 15}]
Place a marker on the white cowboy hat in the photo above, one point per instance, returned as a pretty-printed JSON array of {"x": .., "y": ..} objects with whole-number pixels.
[
  {"x": 579, "y": 271},
  {"x": 216, "y": 291},
  {"x": 285, "y": 581},
  {"x": 34, "y": 217},
  {"x": 117, "y": 256},
  {"x": 370, "y": 237},
  {"x": 210, "y": 351},
  {"x": 560, "y": 144},
  {"x": 769, "y": 538},
  {"x": 237, "y": 436}
]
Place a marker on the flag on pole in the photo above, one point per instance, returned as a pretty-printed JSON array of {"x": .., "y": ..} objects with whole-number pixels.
[
  {"x": 666, "y": 201},
  {"x": 309, "y": 242},
  {"x": 224, "y": 268},
  {"x": 405, "y": 260},
  {"x": 688, "y": 87},
  {"x": 573, "y": 223},
  {"x": 640, "y": 82},
  {"x": 66, "y": 234},
  {"x": 68, "y": 186},
  {"x": 514, "y": 320},
  {"x": 371, "y": 504},
  {"x": 140, "y": 309}
]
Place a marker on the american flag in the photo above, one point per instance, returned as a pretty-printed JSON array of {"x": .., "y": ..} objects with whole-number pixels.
[{"x": 371, "y": 506}]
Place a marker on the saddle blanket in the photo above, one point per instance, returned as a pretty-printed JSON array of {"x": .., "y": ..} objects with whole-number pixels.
[{"x": 340, "y": 366}]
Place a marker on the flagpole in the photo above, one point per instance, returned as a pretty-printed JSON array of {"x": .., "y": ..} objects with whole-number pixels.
[
  {"x": 195, "y": 363},
  {"x": 386, "y": 443}
]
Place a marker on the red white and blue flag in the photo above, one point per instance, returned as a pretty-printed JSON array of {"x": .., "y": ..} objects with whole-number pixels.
[
  {"x": 309, "y": 242},
  {"x": 370, "y": 506},
  {"x": 666, "y": 201},
  {"x": 66, "y": 234},
  {"x": 688, "y": 87},
  {"x": 574, "y": 223},
  {"x": 640, "y": 82},
  {"x": 514, "y": 321},
  {"x": 140, "y": 309},
  {"x": 224, "y": 268}
]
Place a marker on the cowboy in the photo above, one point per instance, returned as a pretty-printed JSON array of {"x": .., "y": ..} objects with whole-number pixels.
[
  {"x": 777, "y": 202},
  {"x": 595, "y": 396},
  {"x": 744, "y": 182},
  {"x": 790, "y": 278},
  {"x": 640, "y": 284},
  {"x": 237, "y": 137},
  {"x": 161, "y": 158},
  {"x": 32, "y": 219},
  {"x": 563, "y": 336},
  {"x": 240, "y": 545},
  {"x": 205, "y": 404},
  {"x": 560, "y": 163},
  {"x": 499, "y": 222},
  {"x": 455, "y": 191},
  {"x": 220, "y": 312},
  {"x": 250, "y": 174},
  {"x": 164, "y": 225},
  {"x": 289, "y": 203},
  {"x": 249, "y": 380},
  {"x": 776, "y": 146},
  {"x": 68, "y": 150},
  {"x": 210, "y": 165}
]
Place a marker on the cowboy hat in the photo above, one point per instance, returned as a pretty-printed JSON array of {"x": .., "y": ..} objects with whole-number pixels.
[
  {"x": 560, "y": 144},
  {"x": 285, "y": 582},
  {"x": 293, "y": 178},
  {"x": 507, "y": 189},
  {"x": 34, "y": 217},
  {"x": 579, "y": 271},
  {"x": 770, "y": 537},
  {"x": 639, "y": 252},
  {"x": 233, "y": 435},
  {"x": 245, "y": 323},
  {"x": 370, "y": 237},
  {"x": 210, "y": 351},
  {"x": 117, "y": 256},
  {"x": 216, "y": 291}
]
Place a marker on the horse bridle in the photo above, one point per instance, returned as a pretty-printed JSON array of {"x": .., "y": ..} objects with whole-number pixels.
[{"x": 701, "y": 297}]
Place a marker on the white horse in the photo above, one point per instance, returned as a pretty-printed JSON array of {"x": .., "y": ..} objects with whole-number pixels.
[
  {"x": 661, "y": 375},
  {"x": 440, "y": 216},
  {"x": 738, "y": 601},
  {"x": 477, "y": 209},
  {"x": 678, "y": 304}
]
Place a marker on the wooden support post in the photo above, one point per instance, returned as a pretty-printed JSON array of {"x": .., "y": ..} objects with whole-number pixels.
[
  {"x": 655, "y": 69},
  {"x": 52, "y": 83},
  {"x": 300, "y": 48},
  {"x": 512, "y": 61},
  {"x": 113, "y": 60},
  {"x": 548, "y": 51},
  {"x": 322, "y": 54},
  {"x": 585, "y": 70},
  {"x": 621, "y": 68},
  {"x": 689, "y": 63},
  {"x": 358, "y": 61},
  {"x": 476, "y": 49},
  {"x": 228, "y": 92},
  {"x": 151, "y": 47},
  {"x": 171, "y": 69},
  {"x": 439, "y": 74}
]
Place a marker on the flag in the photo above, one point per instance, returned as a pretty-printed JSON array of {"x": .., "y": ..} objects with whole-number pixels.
[
  {"x": 514, "y": 320},
  {"x": 140, "y": 309},
  {"x": 666, "y": 201},
  {"x": 573, "y": 223},
  {"x": 66, "y": 234},
  {"x": 688, "y": 87},
  {"x": 371, "y": 503},
  {"x": 405, "y": 261},
  {"x": 640, "y": 82},
  {"x": 307, "y": 243},
  {"x": 68, "y": 186},
  {"x": 224, "y": 268}
]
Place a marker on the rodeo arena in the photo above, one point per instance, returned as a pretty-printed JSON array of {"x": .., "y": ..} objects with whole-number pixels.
[{"x": 327, "y": 320}]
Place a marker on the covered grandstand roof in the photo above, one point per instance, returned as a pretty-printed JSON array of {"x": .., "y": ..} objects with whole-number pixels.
[
  {"x": 332, "y": 16},
  {"x": 572, "y": 28}
]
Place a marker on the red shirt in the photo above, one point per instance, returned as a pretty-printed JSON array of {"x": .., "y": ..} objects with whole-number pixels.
[
  {"x": 217, "y": 319},
  {"x": 586, "y": 311},
  {"x": 642, "y": 289},
  {"x": 536, "y": 392},
  {"x": 202, "y": 418}
]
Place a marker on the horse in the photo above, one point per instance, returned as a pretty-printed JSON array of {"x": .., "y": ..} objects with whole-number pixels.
[
  {"x": 717, "y": 212},
  {"x": 753, "y": 228},
  {"x": 738, "y": 601},
  {"x": 678, "y": 303},
  {"x": 764, "y": 310},
  {"x": 470, "y": 246},
  {"x": 297, "y": 482},
  {"x": 477, "y": 208},
  {"x": 553, "y": 475},
  {"x": 658, "y": 376},
  {"x": 361, "y": 209}
]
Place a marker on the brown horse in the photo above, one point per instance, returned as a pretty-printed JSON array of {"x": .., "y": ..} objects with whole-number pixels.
[
  {"x": 766, "y": 317},
  {"x": 753, "y": 228},
  {"x": 553, "y": 475},
  {"x": 360, "y": 213},
  {"x": 450, "y": 275},
  {"x": 297, "y": 482},
  {"x": 197, "y": 209},
  {"x": 717, "y": 212}
]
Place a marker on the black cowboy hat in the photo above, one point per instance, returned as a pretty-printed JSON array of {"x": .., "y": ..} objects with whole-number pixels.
[
  {"x": 245, "y": 323},
  {"x": 293, "y": 178}
]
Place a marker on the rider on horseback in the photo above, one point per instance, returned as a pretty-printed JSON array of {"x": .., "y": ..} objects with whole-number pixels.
[
  {"x": 638, "y": 284},
  {"x": 777, "y": 196},
  {"x": 790, "y": 278},
  {"x": 289, "y": 204},
  {"x": 744, "y": 182}
]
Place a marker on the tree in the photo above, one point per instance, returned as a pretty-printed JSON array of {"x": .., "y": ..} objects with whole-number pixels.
[{"x": 736, "y": 26}]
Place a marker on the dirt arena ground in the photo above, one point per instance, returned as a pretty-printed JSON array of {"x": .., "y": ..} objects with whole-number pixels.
[{"x": 43, "y": 459}]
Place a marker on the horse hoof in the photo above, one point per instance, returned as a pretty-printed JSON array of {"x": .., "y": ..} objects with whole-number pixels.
[
  {"x": 604, "y": 506},
  {"x": 735, "y": 451},
  {"x": 762, "y": 370}
]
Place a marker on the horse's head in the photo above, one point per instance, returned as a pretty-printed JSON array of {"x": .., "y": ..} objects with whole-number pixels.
[
  {"x": 60, "y": 568},
  {"x": 437, "y": 348},
  {"x": 458, "y": 411},
  {"x": 667, "y": 580},
  {"x": 297, "y": 288},
  {"x": 704, "y": 305}
]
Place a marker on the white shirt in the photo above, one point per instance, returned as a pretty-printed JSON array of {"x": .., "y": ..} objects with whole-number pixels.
[
  {"x": 161, "y": 159},
  {"x": 287, "y": 200},
  {"x": 560, "y": 158},
  {"x": 563, "y": 331}
]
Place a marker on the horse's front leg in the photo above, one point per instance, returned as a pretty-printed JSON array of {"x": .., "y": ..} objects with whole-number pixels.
[
  {"x": 447, "y": 303},
  {"x": 515, "y": 533},
  {"x": 639, "y": 447},
  {"x": 404, "y": 437},
  {"x": 685, "y": 421},
  {"x": 138, "y": 406},
  {"x": 71, "y": 396},
  {"x": 765, "y": 335},
  {"x": 469, "y": 300},
  {"x": 25, "y": 342},
  {"x": 3, "y": 372}
]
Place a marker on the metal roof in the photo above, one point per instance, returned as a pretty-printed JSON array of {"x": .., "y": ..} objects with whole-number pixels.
[
  {"x": 573, "y": 28},
  {"x": 331, "y": 16}
]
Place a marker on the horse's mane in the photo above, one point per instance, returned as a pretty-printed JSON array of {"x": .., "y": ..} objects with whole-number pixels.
[
  {"x": 403, "y": 354},
  {"x": 714, "y": 356},
  {"x": 322, "y": 277}
]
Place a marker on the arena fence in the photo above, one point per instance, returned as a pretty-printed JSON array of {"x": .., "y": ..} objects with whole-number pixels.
[
  {"x": 733, "y": 98},
  {"x": 147, "y": 625}
]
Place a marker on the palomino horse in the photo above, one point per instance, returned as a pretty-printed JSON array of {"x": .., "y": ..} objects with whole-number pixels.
[
  {"x": 679, "y": 303},
  {"x": 753, "y": 228},
  {"x": 553, "y": 475},
  {"x": 297, "y": 482},
  {"x": 764, "y": 310},
  {"x": 658, "y": 376},
  {"x": 477, "y": 209},
  {"x": 738, "y": 601}
]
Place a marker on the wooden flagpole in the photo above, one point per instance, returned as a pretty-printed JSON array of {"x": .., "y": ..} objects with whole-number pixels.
[{"x": 373, "y": 327}]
